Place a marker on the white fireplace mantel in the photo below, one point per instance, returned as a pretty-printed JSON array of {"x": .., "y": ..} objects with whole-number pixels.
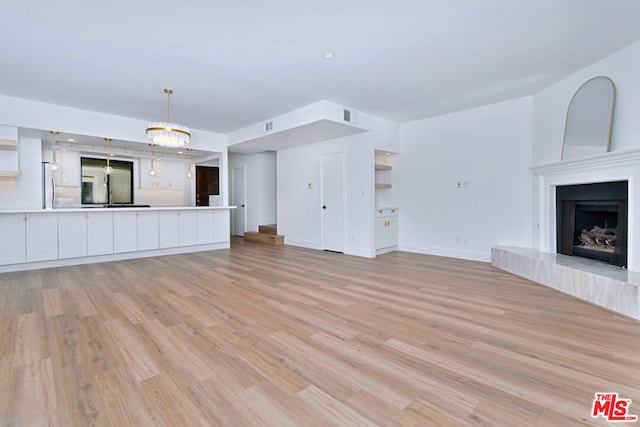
[{"x": 614, "y": 166}]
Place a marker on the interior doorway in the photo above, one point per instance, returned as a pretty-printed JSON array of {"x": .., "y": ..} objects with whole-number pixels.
[
  {"x": 238, "y": 191},
  {"x": 207, "y": 184},
  {"x": 332, "y": 203}
]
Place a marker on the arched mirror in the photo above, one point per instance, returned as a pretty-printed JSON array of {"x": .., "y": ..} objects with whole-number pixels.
[{"x": 589, "y": 119}]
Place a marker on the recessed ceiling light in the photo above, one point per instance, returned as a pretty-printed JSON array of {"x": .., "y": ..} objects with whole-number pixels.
[
  {"x": 179, "y": 152},
  {"x": 71, "y": 140},
  {"x": 328, "y": 55}
]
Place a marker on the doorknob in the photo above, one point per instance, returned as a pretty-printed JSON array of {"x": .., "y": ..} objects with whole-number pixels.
[
  {"x": 242, "y": 206},
  {"x": 324, "y": 207}
]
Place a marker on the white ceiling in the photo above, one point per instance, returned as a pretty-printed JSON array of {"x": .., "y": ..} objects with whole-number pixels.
[{"x": 235, "y": 63}]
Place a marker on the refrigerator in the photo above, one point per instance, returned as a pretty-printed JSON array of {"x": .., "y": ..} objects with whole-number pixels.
[{"x": 48, "y": 187}]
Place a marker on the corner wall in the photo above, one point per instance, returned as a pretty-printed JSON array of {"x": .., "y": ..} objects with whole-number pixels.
[{"x": 488, "y": 151}]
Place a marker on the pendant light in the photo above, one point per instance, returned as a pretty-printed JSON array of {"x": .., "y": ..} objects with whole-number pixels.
[
  {"x": 108, "y": 169},
  {"x": 152, "y": 171},
  {"x": 54, "y": 166},
  {"x": 189, "y": 173}
]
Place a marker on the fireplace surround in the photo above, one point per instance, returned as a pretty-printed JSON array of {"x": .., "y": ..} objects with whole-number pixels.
[
  {"x": 613, "y": 287},
  {"x": 621, "y": 166}
]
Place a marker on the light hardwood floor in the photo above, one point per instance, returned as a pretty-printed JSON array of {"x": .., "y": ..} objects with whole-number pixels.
[{"x": 258, "y": 335}]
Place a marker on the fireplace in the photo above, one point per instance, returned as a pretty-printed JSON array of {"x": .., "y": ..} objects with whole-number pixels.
[{"x": 592, "y": 221}]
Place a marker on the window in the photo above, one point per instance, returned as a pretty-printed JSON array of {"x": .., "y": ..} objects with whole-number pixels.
[{"x": 100, "y": 188}]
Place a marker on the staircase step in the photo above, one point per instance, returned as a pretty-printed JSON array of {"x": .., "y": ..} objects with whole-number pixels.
[
  {"x": 268, "y": 239},
  {"x": 268, "y": 229}
]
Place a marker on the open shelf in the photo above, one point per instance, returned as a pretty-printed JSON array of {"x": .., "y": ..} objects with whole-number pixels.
[
  {"x": 380, "y": 167},
  {"x": 8, "y": 145},
  {"x": 380, "y": 185}
]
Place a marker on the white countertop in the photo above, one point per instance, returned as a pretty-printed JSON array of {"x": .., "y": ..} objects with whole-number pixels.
[{"x": 92, "y": 209}]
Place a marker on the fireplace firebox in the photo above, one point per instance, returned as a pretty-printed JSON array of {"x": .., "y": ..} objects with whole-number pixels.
[{"x": 592, "y": 221}]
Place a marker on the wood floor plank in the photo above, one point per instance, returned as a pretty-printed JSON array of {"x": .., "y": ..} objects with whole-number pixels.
[
  {"x": 258, "y": 335},
  {"x": 171, "y": 404},
  {"x": 123, "y": 403}
]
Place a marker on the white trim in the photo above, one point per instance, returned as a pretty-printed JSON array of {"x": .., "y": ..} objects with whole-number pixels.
[{"x": 615, "y": 166}]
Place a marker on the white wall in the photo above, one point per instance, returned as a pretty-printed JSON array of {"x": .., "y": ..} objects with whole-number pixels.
[
  {"x": 268, "y": 196},
  {"x": 260, "y": 184},
  {"x": 488, "y": 149},
  {"x": 299, "y": 206},
  {"x": 550, "y": 106}
]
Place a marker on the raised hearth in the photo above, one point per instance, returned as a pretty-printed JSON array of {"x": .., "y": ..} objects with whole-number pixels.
[{"x": 605, "y": 285}]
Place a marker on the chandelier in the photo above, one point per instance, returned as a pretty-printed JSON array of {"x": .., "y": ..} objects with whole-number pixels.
[{"x": 167, "y": 134}]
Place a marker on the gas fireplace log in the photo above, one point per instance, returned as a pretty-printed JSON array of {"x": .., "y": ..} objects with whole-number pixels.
[{"x": 598, "y": 236}]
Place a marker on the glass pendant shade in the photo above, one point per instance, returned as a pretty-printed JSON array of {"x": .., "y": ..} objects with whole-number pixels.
[
  {"x": 54, "y": 166},
  {"x": 108, "y": 169},
  {"x": 189, "y": 173},
  {"x": 169, "y": 135},
  {"x": 152, "y": 171}
]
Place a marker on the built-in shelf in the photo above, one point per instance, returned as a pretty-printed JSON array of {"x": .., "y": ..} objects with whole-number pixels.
[
  {"x": 8, "y": 175},
  {"x": 9, "y": 162},
  {"x": 381, "y": 185},
  {"x": 8, "y": 145},
  {"x": 380, "y": 167}
]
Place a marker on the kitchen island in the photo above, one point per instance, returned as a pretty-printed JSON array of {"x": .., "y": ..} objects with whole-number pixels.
[{"x": 43, "y": 238}]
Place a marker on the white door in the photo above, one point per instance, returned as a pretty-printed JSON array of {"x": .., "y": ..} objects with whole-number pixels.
[
  {"x": 332, "y": 203},
  {"x": 239, "y": 213}
]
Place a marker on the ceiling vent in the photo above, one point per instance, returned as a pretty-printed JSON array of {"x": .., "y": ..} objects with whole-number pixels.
[
  {"x": 268, "y": 126},
  {"x": 349, "y": 116}
]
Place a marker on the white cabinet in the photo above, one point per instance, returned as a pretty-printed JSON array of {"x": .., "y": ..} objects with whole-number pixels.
[
  {"x": 81, "y": 234},
  {"x": 168, "y": 229},
  {"x": 12, "y": 229},
  {"x": 66, "y": 234},
  {"x": 213, "y": 226},
  {"x": 135, "y": 231},
  {"x": 72, "y": 235},
  {"x": 99, "y": 233},
  {"x": 125, "y": 231},
  {"x": 41, "y": 236},
  {"x": 188, "y": 228},
  {"x": 221, "y": 226},
  {"x": 177, "y": 228},
  {"x": 386, "y": 228},
  {"x": 169, "y": 175},
  {"x": 147, "y": 230},
  {"x": 205, "y": 223}
]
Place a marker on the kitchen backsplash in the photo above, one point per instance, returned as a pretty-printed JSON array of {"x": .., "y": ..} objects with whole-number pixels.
[{"x": 67, "y": 197}]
